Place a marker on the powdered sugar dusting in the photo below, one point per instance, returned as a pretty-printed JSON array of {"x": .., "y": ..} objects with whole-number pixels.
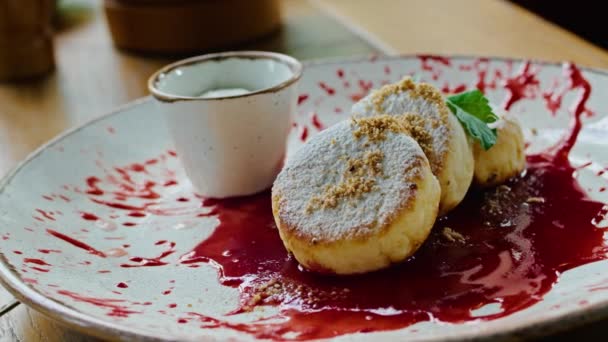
[
  {"x": 406, "y": 100},
  {"x": 321, "y": 163}
]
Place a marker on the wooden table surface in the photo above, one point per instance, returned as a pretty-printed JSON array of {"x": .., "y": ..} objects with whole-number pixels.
[
  {"x": 482, "y": 27},
  {"x": 92, "y": 77}
]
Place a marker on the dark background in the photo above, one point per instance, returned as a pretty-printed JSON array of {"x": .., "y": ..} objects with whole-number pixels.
[{"x": 587, "y": 18}]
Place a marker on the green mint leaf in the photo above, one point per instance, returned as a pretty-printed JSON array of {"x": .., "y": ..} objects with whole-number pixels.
[
  {"x": 476, "y": 128},
  {"x": 474, "y": 113},
  {"x": 474, "y": 103}
]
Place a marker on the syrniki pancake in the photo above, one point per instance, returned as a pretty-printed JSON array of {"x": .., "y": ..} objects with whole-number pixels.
[
  {"x": 506, "y": 159},
  {"x": 448, "y": 152},
  {"x": 357, "y": 197}
]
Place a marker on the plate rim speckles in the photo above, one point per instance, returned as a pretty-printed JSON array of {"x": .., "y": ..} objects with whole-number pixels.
[{"x": 101, "y": 328}]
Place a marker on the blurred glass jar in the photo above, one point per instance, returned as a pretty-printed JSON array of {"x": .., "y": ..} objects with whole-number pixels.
[{"x": 26, "y": 38}]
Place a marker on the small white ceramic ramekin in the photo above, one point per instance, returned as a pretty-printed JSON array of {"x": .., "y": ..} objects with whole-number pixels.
[{"x": 230, "y": 145}]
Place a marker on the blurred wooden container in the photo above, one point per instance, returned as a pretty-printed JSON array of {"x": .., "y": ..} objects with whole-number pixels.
[
  {"x": 186, "y": 26},
  {"x": 26, "y": 38}
]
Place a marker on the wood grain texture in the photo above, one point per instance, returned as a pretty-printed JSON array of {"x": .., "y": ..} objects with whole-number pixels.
[
  {"x": 484, "y": 27},
  {"x": 25, "y": 325},
  {"x": 5, "y": 297}
]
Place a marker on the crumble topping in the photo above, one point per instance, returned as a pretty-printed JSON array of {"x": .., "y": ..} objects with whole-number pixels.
[
  {"x": 357, "y": 179},
  {"x": 423, "y": 90},
  {"x": 376, "y": 127},
  {"x": 452, "y": 235},
  {"x": 275, "y": 291}
]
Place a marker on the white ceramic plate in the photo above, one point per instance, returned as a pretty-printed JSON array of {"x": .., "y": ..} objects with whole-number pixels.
[{"x": 52, "y": 194}]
